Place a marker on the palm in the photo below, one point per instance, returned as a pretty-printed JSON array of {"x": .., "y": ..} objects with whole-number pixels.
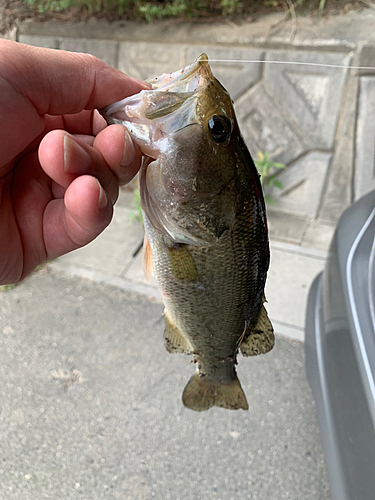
[{"x": 25, "y": 195}]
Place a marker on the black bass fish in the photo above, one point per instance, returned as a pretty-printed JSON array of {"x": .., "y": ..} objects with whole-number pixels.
[{"x": 206, "y": 229}]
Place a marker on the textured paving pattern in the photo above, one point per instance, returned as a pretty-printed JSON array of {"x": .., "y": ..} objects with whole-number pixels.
[
  {"x": 90, "y": 407},
  {"x": 365, "y": 146}
]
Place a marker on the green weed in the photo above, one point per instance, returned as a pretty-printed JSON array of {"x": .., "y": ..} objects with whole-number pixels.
[
  {"x": 268, "y": 176},
  {"x": 141, "y": 8},
  {"x": 151, "y": 11},
  {"x": 92, "y": 6},
  {"x": 229, "y": 7},
  {"x": 270, "y": 3},
  {"x": 6, "y": 288},
  {"x": 322, "y": 4}
]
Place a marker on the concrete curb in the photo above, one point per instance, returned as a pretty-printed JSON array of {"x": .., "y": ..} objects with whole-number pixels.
[{"x": 118, "y": 282}]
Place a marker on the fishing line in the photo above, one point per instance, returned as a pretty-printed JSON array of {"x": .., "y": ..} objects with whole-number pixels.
[{"x": 322, "y": 65}]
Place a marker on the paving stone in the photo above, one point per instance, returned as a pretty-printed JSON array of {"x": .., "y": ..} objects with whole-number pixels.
[
  {"x": 106, "y": 50},
  {"x": 148, "y": 60},
  {"x": 112, "y": 251},
  {"x": 291, "y": 273},
  {"x": 265, "y": 129},
  {"x": 303, "y": 184},
  {"x": 309, "y": 94},
  {"x": 289, "y": 228},
  {"x": 364, "y": 179},
  {"x": 236, "y": 77},
  {"x": 366, "y": 57},
  {"x": 338, "y": 194},
  {"x": 47, "y": 42},
  {"x": 318, "y": 234}
]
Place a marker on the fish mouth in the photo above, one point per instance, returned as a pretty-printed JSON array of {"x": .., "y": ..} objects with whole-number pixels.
[
  {"x": 184, "y": 81},
  {"x": 188, "y": 79},
  {"x": 168, "y": 107}
]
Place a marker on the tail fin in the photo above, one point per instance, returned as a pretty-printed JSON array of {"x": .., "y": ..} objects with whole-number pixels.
[{"x": 200, "y": 394}]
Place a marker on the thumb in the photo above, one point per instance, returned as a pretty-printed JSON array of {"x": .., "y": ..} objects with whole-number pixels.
[{"x": 36, "y": 81}]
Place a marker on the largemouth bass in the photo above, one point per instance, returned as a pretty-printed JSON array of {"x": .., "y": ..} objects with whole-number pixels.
[{"x": 206, "y": 230}]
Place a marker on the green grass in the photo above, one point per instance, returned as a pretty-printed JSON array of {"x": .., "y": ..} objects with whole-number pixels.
[
  {"x": 137, "y": 8},
  {"x": 152, "y": 10}
]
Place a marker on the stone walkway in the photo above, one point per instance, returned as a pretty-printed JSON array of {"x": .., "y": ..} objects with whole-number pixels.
[{"x": 317, "y": 117}]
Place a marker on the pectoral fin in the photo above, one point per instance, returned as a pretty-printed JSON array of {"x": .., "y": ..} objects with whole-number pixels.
[
  {"x": 260, "y": 338},
  {"x": 147, "y": 259},
  {"x": 174, "y": 341}
]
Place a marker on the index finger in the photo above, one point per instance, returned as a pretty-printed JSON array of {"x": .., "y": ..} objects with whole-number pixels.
[
  {"x": 58, "y": 82},
  {"x": 36, "y": 81}
]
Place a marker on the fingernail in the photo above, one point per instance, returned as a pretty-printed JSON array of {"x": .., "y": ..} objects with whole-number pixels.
[
  {"x": 103, "y": 198},
  {"x": 141, "y": 83},
  {"x": 129, "y": 151},
  {"x": 76, "y": 158}
]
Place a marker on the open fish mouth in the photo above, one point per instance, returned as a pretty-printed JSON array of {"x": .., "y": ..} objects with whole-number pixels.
[
  {"x": 168, "y": 107},
  {"x": 185, "y": 81}
]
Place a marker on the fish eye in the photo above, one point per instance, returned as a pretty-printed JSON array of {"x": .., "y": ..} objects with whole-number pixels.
[{"x": 219, "y": 127}]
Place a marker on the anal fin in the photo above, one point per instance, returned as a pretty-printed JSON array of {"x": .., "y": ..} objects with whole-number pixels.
[
  {"x": 174, "y": 341},
  {"x": 260, "y": 338}
]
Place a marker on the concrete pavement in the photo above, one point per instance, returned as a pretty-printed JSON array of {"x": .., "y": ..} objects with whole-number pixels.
[{"x": 90, "y": 407}]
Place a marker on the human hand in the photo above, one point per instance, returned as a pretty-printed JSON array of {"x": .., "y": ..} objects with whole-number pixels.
[{"x": 60, "y": 165}]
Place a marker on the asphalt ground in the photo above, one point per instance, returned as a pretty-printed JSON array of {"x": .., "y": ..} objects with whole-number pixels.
[{"x": 90, "y": 407}]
